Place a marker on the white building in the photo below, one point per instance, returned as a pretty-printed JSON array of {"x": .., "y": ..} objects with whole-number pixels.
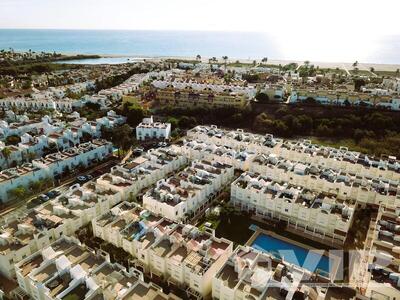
[
  {"x": 148, "y": 129},
  {"x": 189, "y": 192},
  {"x": 302, "y": 151},
  {"x": 68, "y": 270},
  {"x": 315, "y": 214},
  {"x": 51, "y": 165},
  {"x": 250, "y": 274},
  {"x": 182, "y": 255},
  {"x": 59, "y": 217}
]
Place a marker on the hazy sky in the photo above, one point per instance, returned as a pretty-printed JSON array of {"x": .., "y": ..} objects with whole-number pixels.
[{"x": 298, "y": 18}]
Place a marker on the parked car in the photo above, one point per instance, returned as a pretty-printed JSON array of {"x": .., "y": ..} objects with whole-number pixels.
[
  {"x": 89, "y": 177},
  {"x": 138, "y": 151},
  {"x": 43, "y": 198},
  {"x": 53, "y": 194},
  {"x": 81, "y": 178}
]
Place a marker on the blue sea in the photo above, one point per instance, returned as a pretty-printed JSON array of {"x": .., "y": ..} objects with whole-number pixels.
[{"x": 244, "y": 45}]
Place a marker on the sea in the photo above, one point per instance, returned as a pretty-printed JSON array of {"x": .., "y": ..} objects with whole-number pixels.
[{"x": 235, "y": 45}]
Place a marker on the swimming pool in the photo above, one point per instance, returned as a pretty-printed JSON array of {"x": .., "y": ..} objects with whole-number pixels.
[{"x": 292, "y": 253}]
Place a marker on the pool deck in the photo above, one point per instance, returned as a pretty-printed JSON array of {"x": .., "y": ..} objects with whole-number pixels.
[{"x": 335, "y": 260}]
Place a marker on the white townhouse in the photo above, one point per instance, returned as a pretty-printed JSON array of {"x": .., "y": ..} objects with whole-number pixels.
[
  {"x": 251, "y": 274},
  {"x": 197, "y": 150},
  {"x": 316, "y": 214},
  {"x": 67, "y": 270},
  {"x": 141, "y": 172},
  {"x": 344, "y": 185},
  {"x": 302, "y": 151},
  {"x": 181, "y": 255},
  {"x": 52, "y": 165},
  {"x": 56, "y": 218},
  {"x": 189, "y": 192},
  {"x": 148, "y": 129}
]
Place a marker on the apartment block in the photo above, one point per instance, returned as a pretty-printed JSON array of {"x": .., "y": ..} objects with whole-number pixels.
[
  {"x": 346, "y": 98},
  {"x": 194, "y": 94}
]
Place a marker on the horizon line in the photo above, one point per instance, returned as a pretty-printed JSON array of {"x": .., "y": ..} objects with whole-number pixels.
[{"x": 132, "y": 29}]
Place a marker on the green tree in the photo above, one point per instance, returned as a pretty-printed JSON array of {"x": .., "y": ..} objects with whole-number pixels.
[
  {"x": 123, "y": 137},
  {"x": 262, "y": 97},
  {"x": 6, "y": 152},
  {"x": 134, "y": 113},
  {"x": 13, "y": 140},
  {"x": 187, "y": 122},
  {"x": 18, "y": 192},
  {"x": 225, "y": 58},
  {"x": 174, "y": 122}
]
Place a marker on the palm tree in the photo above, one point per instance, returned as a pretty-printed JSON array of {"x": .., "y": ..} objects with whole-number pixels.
[
  {"x": 264, "y": 60},
  {"x": 198, "y": 57},
  {"x": 372, "y": 69},
  {"x": 6, "y": 152},
  {"x": 355, "y": 64},
  {"x": 225, "y": 58},
  {"x": 307, "y": 63}
]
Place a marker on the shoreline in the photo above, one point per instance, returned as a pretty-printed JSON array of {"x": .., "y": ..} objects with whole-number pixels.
[{"x": 363, "y": 66}]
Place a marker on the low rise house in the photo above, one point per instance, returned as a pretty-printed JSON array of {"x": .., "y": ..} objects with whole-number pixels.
[
  {"x": 386, "y": 247},
  {"x": 342, "y": 184},
  {"x": 197, "y": 150}
]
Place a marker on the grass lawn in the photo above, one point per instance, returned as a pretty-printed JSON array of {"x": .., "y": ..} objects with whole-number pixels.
[
  {"x": 332, "y": 71},
  {"x": 360, "y": 72},
  {"x": 387, "y": 73}
]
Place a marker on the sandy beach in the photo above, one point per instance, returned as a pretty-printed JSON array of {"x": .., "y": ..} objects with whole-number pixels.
[{"x": 331, "y": 65}]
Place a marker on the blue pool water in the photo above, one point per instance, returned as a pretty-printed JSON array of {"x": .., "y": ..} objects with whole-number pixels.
[{"x": 292, "y": 253}]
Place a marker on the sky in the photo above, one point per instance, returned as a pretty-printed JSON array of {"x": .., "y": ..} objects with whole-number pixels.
[{"x": 297, "y": 18}]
